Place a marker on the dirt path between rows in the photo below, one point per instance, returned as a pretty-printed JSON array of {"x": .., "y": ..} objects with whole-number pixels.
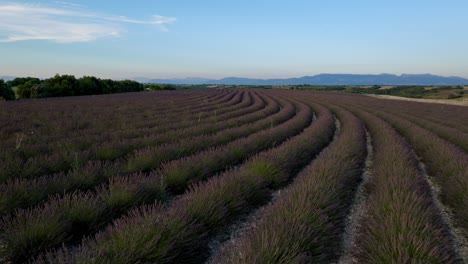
[
  {"x": 435, "y": 101},
  {"x": 358, "y": 209},
  {"x": 460, "y": 241},
  {"x": 231, "y": 236}
]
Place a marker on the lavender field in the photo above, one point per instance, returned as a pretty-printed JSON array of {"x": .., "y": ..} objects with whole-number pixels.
[{"x": 233, "y": 176}]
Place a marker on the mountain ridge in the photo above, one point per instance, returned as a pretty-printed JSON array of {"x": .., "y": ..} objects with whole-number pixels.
[{"x": 324, "y": 79}]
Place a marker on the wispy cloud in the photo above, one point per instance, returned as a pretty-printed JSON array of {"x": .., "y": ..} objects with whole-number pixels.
[
  {"x": 65, "y": 23},
  {"x": 159, "y": 21}
]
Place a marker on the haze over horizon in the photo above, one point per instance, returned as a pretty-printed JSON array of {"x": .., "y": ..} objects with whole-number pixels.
[{"x": 252, "y": 39}]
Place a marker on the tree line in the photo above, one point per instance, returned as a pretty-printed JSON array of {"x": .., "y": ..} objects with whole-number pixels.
[{"x": 68, "y": 85}]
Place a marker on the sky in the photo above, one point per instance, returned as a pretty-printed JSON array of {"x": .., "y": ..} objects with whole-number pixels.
[{"x": 242, "y": 38}]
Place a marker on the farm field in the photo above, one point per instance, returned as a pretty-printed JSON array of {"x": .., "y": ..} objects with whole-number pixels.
[
  {"x": 460, "y": 101},
  {"x": 233, "y": 176}
]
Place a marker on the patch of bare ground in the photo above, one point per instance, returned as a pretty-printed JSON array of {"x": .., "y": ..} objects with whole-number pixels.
[
  {"x": 460, "y": 241},
  {"x": 463, "y": 102},
  {"x": 231, "y": 235},
  {"x": 428, "y": 88},
  {"x": 386, "y": 87},
  {"x": 247, "y": 222},
  {"x": 357, "y": 210}
]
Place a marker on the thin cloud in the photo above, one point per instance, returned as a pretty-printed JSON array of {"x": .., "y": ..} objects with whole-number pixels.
[
  {"x": 159, "y": 21},
  {"x": 21, "y": 22},
  {"x": 63, "y": 3}
]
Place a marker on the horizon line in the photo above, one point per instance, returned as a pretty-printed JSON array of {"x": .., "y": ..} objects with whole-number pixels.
[{"x": 232, "y": 76}]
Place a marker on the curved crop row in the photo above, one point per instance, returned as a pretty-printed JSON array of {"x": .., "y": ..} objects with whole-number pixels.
[
  {"x": 447, "y": 165},
  {"x": 157, "y": 122},
  {"x": 179, "y": 174},
  {"x": 151, "y": 119},
  {"x": 34, "y": 166},
  {"x": 113, "y": 199},
  {"x": 402, "y": 222},
  {"x": 444, "y": 115},
  {"x": 179, "y": 233},
  {"x": 441, "y": 114},
  {"x": 306, "y": 222},
  {"x": 54, "y": 121},
  {"x": 21, "y": 193},
  {"x": 445, "y": 162},
  {"x": 171, "y": 107},
  {"x": 113, "y": 149},
  {"x": 150, "y": 157},
  {"x": 47, "y": 142},
  {"x": 451, "y": 134},
  {"x": 91, "y": 104},
  {"x": 66, "y": 120},
  {"x": 164, "y": 177},
  {"x": 33, "y": 138}
]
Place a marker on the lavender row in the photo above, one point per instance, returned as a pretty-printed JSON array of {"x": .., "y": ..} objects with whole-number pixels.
[
  {"x": 447, "y": 165},
  {"x": 22, "y": 193},
  {"x": 26, "y": 144},
  {"x": 56, "y": 129},
  {"x": 179, "y": 233},
  {"x": 112, "y": 150},
  {"x": 151, "y": 157},
  {"x": 115, "y": 198},
  {"x": 36, "y": 137},
  {"x": 452, "y": 133},
  {"x": 444, "y": 115},
  {"x": 402, "y": 222},
  {"x": 69, "y": 159},
  {"x": 86, "y": 177},
  {"x": 306, "y": 222},
  {"x": 46, "y": 117}
]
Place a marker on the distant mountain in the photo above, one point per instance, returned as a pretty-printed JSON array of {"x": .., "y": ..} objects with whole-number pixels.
[{"x": 326, "y": 79}]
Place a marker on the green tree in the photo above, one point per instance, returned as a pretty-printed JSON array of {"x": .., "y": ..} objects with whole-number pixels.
[
  {"x": 89, "y": 85},
  {"x": 6, "y": 92},
  {"x": 24, "y": 90},
  {"x": 68, "y": 85},
  {"x": 20, "y": 80},
  {"x": 127, "y": 86},
  {"x": 59, "y": 85}
]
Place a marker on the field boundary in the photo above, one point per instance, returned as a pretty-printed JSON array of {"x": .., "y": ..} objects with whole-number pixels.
[{"x": 433, "y": 101}]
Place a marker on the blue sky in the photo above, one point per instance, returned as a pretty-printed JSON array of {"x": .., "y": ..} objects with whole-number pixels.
[{"x": 215, "y": 39}]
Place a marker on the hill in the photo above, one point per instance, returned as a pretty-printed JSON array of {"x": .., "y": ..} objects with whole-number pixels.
[{"x": 325, "y": 79}]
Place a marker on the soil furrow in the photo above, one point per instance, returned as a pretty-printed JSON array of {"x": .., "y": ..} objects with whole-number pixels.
[
  {"x": 358, "y": 208},
  {"x": 248, "y": 221}
]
